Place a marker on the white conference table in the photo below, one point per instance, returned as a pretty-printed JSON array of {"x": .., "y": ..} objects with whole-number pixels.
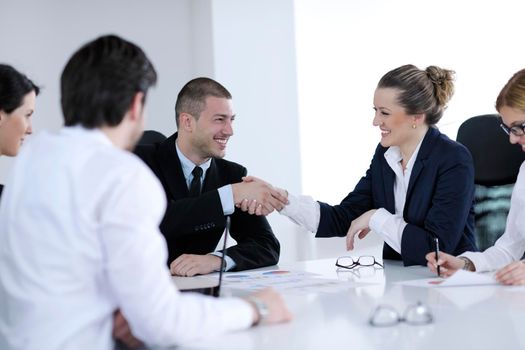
[{"x": 474, "y": 317}]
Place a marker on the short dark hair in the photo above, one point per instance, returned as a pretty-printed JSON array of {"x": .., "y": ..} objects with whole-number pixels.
[
  {"x": 192, "y": 97},
  {"x": 100, "y": 80},
  {"x": 421, "y": 91},
  {"x": 13, "y": 87}
]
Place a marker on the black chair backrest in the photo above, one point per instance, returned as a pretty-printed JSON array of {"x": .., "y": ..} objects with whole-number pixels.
[
  {"x": 496, "y": 166},
  {"x": 150, "y": 137},
  {"x": 496, "y": 160}
]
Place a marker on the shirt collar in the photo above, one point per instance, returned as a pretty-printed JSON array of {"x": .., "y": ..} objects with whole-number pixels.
[
  {"x": 95, "y": 133},
  {"x": 393, "y": 156},
  {"x": 188, "y": 165}
]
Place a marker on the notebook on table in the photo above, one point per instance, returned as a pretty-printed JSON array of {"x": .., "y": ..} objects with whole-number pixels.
[{"x": 205, "y": 285}]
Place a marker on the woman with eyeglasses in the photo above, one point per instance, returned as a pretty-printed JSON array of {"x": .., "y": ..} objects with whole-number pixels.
[
  {"x": 17, "y": 103},
  {"x": 506, "y": 253},
  {"x": 420, "y": 184}
]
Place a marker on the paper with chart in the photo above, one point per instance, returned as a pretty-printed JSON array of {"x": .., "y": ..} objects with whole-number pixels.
[
  {"x": 460, "y": 278},
  {"x": 283, "y": 281}
]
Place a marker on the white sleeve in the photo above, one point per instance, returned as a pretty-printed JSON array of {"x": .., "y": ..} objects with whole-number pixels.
[
  {"x": 135, "y": 254},
  {"x": 304, "y": 211},
  {"x": 511, "y": 245},
  {"x": 389, "y": 226}
]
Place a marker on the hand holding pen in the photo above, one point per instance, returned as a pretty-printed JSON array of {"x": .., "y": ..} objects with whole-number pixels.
[
  {"x": 448, "y": 264},
  {"x": 436, "y": 240}
]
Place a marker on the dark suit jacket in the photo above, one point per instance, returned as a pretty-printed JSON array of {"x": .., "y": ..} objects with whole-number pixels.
[
  {"x": 195, "y": 225},
  {"x": 1, "y": 188},
  {"x": 440, "y": 199}
]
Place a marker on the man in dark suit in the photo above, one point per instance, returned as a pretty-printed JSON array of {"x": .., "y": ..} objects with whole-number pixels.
[{"x": 202, "y": 188}]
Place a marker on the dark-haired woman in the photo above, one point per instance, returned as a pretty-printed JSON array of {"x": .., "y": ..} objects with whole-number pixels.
[{"x": 17, "y": 104}]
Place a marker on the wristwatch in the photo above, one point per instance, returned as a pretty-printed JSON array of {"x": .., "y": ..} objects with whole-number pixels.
[
  {"x": 261, "y": 307},
  {"x": 469, "y": 265}
]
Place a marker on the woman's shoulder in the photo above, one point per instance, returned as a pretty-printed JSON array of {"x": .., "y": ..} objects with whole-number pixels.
[{"x": 445, "y": 147}]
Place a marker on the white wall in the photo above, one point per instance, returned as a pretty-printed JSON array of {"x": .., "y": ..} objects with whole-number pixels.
[{"x": 254, "y": 56}]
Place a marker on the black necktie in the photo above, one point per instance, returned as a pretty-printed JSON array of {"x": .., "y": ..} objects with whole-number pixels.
[{"x": 195, "y": 186}]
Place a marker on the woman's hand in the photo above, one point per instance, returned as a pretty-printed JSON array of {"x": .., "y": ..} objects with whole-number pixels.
[
  {"x": 448, "y": 264},
  {"x": 512, "y": 274},
  {"x": 359, "y": 226}
]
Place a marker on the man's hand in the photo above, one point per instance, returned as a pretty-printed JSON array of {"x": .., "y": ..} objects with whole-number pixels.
[
  {"x": 448, "y": 263},
  {"x": 258, "y": 197},
  {"x": 512, "y": 274},
  {"x": 190, "y": 265},
  {"x": 277, "y": 310},
  {"x": 122, "y": 332},
  {"x": 358, "y": 226}
]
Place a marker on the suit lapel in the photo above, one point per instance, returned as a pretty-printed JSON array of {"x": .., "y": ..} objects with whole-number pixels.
[
  {"x": 422, "y": 156},
  {"x": 171, "y": 168}
]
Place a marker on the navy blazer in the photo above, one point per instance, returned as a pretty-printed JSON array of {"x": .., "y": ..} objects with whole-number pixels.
[
  {"x": 194, "y": 225},
  {"x": 439, "y": 201}
]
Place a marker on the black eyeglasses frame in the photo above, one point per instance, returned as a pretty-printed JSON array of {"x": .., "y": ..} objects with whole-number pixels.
[{"x": 357, "y": 262}]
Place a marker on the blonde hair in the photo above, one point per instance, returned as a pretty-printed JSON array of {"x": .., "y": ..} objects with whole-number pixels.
[{"x": 513, "y": 93}]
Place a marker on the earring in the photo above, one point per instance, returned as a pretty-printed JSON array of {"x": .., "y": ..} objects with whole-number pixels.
[{"x": 414, "y": 126}]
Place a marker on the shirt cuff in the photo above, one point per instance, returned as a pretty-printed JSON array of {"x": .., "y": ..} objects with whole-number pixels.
[
  {"x": 230, "y": 264},
  {"x": 378, "y": 219},
  {"x": 389, "y": 226},
  {"x": 478, "y": 260},
  {"x": 303, "y": 211},
  {"x": 226, "y": 195}
]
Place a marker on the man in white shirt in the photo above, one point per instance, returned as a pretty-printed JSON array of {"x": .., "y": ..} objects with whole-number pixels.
[{"x": 79, "y": 220}]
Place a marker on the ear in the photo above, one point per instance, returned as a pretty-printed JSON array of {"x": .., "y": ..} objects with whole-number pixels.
[
  {"x": 136, "y": 108},
  {"x": 3, "y": 116},
  {"x": 418, "y": 119},
  {"x": 186, "y": 122}
]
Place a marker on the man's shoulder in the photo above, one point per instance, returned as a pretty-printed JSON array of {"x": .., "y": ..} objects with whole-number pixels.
[
  {"x": 122, "y": 161},
  {"x": 228, "y": 167},
  {"x": 126, "y": 169},
  {"x": 146, "y": 152}
]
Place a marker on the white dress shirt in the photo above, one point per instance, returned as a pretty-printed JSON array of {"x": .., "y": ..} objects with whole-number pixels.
[
  {"x": 225, "y": 194},
  {"x": 306, "y": 212},
  {"x": 511, "y": 245},
  {"x": 79, "y": 239}
]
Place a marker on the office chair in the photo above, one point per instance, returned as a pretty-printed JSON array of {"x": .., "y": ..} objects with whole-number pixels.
[
  {"x": 496, "y": 166},
  {"x": 150, "y": 137}
]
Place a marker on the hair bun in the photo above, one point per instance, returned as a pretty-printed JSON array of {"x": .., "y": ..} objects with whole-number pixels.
[{"x": 443, "y": 81}]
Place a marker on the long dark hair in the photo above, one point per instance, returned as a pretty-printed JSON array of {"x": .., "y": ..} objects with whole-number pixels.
[{"x": 13, "y": 87}]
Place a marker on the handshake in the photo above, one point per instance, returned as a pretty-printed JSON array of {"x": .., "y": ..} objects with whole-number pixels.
[{"x": 258, "y": 197}]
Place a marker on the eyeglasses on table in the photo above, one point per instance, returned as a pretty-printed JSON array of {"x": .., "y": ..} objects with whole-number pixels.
[
  {"x": 348, "y": 262},
  {"x": 360, "y": 273},
  {"x": 415, "y": 314}
]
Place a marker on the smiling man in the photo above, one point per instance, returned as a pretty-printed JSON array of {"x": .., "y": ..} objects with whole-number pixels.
[{"x": 202, "y": 188}]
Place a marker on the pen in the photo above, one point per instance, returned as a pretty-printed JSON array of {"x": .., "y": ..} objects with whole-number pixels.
[{"x": 437, "y": 255}]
